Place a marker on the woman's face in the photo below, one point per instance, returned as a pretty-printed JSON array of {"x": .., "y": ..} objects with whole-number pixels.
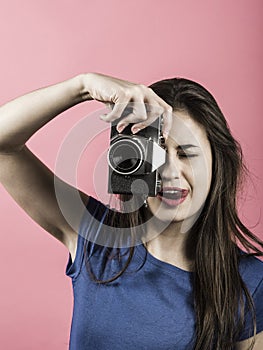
[{"x": 186, "y": 175}]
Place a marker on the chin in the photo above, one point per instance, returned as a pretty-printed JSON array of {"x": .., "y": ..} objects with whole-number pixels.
[
  {"x": 183, "y": 213},
  {"x": 164, "y": 213}
]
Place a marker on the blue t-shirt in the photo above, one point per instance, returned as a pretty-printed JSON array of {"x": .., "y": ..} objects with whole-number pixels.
[{"x": 149, "y": 307}]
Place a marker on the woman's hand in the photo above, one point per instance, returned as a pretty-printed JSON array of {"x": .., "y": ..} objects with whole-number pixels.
[{"x": 144, "y": 105}]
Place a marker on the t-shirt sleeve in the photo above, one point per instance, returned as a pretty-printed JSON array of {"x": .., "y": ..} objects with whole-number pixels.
[
  {"x": 90, "y": 222},
  {"x": 258, "y": 304}
]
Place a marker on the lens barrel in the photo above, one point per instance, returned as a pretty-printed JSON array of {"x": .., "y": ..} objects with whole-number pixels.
[{"x": 126, "y": 155}]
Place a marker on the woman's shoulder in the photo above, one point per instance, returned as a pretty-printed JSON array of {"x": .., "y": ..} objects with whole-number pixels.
[{"x": 248, "y": 261}]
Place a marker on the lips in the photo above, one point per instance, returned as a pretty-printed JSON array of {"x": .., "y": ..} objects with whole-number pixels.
[{"x": 172, "y": 196}]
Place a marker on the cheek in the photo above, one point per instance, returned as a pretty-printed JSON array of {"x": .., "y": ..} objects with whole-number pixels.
[{"x": 200, "y": 177}]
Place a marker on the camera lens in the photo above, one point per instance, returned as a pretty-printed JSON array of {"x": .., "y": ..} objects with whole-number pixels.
[{"x": 126, "y": 156}]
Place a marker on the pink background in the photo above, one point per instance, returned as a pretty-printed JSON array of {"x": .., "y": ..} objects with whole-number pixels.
[{"x": 217, "y": 43}]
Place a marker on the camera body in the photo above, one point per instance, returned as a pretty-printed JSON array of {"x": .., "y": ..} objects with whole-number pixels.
[{"x": 134, "y": 159}]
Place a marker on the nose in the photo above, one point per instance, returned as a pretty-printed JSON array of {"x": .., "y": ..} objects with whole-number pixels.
[{"x": 171, "y": 169}]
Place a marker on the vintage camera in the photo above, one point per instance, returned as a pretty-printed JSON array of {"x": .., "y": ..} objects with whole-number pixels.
[{"x": 134, "y": 159}]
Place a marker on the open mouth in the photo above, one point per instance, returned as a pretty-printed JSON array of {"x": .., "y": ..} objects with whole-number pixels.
[{"x": 172, "y": 196}]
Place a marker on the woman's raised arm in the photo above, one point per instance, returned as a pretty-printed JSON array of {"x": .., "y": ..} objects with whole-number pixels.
[
  {"x": 23, "y": 116},
  {"x": 26, "y": 178}
]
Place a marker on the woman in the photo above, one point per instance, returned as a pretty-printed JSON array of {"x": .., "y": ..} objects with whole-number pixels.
[{"x": 187, "y": 285}]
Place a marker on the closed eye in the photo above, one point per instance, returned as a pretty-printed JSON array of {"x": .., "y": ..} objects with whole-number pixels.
[
  {"x": 187, "y": 155},
  {"x": 182, "y": 151}
]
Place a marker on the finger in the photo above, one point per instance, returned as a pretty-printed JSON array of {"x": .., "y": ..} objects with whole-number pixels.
[
  {"x": 154, "y": 111},
  {"x": 138, "y": 114},
  {"x": 129, "y": 119},
  {"x": 142, "y": 125},
  {"x": 110, "y": 105},
  {"x": 139, "y": 110},
  {"x": 167, "y": 121},
  {"x": 167, "y": 113},
  {"x": 135, "y": 111},
  {"x": 115, "y": 113}
]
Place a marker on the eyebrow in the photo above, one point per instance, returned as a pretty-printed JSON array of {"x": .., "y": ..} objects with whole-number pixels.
[{"x": 186, "y": 146}]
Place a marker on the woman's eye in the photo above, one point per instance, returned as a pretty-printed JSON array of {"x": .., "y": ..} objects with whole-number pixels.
[{"x": 186, "y": 155}]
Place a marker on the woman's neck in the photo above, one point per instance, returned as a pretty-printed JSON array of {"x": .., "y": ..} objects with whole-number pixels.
[{"x": 170, "y": 245}]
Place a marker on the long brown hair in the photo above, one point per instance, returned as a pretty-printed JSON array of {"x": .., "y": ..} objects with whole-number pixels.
[{"x": 219, "y": 291}]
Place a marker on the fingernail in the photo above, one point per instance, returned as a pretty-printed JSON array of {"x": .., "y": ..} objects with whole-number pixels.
[
  {"x": 121, "y": 127},
  {"x": 135, "y": 130}
]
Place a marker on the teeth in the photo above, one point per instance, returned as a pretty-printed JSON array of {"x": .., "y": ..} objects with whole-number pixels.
[{"x": 172, "y": 192}]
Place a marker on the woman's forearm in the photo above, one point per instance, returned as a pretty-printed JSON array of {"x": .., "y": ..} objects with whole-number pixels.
[{"x": 23, "y": 116}]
